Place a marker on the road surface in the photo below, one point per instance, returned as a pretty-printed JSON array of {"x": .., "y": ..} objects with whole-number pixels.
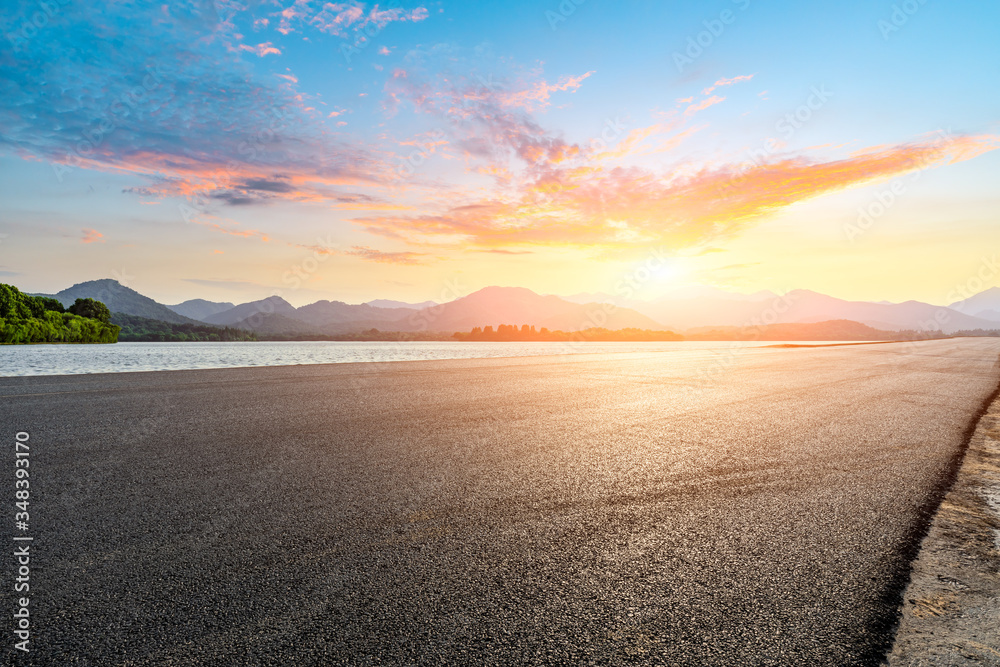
[{"x": 747, "y": 507}]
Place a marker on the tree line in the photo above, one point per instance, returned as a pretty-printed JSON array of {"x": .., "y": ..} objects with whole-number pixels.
[
  {"x": 40, "y": 319},
  {"x": 144, "y": 330},
  {"x": 511, "y": 332}
]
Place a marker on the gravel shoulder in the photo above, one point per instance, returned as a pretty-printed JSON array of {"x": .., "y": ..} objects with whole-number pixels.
[{"x": 951, "y": 612}]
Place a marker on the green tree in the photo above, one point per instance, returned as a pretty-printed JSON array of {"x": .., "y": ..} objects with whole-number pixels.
[
  {"x": 92, "y": 309},
  {"x": 48, "y": 303},
  {"x": 12, "y": 305}
]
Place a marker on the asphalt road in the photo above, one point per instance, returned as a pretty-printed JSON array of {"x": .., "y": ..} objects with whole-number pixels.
[{"x": 754, "y": 508}]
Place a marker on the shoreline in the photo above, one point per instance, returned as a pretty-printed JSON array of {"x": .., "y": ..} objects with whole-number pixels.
[{"x": 527, "y": 349}]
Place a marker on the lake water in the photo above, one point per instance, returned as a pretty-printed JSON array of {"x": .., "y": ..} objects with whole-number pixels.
[{"x": 19, "y": 360}]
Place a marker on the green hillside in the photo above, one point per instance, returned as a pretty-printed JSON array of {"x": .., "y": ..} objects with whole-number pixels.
[
  {"x": 32, "y": 319},
  {"x": 142, "y": 329},
  {"x": 121, "y": 299}
]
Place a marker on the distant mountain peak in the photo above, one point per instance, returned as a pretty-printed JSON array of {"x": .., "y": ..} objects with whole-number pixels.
[
  {"x": 121, "y": 299},
  {"x": 199, "y": 309},
  {"x": 390, "y": 303},
  {"x": 987, "y": 300},
  {"x": 496, "y": 290}
]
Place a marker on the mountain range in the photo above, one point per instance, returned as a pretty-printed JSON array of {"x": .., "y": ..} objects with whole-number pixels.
[
  {"x": 199, "y": 309},
  {"x": 120, "y": 299},
  {"x": 693, "y": 310}
]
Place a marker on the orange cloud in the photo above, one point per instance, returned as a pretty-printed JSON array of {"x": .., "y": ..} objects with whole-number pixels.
[
  {"x": 372, "y": 255},
  {"x": 704, "y": 104},
  {"x": 92, "y": 236},
  {"x": 726, "y": 82},
  {"x": 369, "y": 254},
  {"x": 249, "y": 233},
  {"x": 537, "y": 95},
  {"x": 633, "y": 207}
]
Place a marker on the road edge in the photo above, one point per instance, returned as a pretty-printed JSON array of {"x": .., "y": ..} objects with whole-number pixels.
[{"x": 951, "y": 606}]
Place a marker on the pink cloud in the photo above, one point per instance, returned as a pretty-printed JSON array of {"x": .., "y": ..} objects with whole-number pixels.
[
  {"x": 489, "y": 121},
  {"x": 704, "y": 104},
  {"x": 343, "y": 18},
  {"x": 372, "y": 255},
  {"x": 727, "y": 82},
  {"x": 369, "y": 254},
  {"x": 91, "y": 236},
  {"x": 262, "y": 50},
  {"x": 631, "y": 207},
  {"x": 537, "y": 94}
]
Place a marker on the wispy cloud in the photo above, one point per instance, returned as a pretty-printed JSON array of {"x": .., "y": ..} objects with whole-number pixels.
[
  {"x": 183, "y": 109},
  {"x": 342, "y": 18},
  {"x": 704, "y": 104},
  {"x": 726, "y": 82},
  {"x": 91, "y": 236},
  {"x": 372, "y": 255},
  {"x": 369, "y": 254},
  {"x": 488, "y": 120},
  {"x": 632, "y": 207},
  {"x": 261, "y": 50}
]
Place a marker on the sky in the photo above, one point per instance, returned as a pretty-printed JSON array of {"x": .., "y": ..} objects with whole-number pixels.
[{"x": 404, "y": 150}]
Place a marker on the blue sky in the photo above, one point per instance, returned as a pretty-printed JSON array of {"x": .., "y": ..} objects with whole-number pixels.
[{"x": 353, "y": 151}]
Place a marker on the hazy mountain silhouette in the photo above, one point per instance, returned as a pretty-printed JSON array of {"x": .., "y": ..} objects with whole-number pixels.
[
  {"x": 985, "y": 304},
  {"x": 323, "y": 313},
  {"x": 120, "y": 299},
  {"x": 275, "y": 323},
  {"x": 517, "y": 305},
  {"x": 680, "y": 310},
  {"x": 389, "y": 303},
  {"x": 828, "y": 330},
  {"x": 991, "y": 315},
  {"x": 199, "y": 309},
  {"x": 807, "y": 306},
  {"x": 271, "y": 305},
  {"x": 739, "y": 310}
]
